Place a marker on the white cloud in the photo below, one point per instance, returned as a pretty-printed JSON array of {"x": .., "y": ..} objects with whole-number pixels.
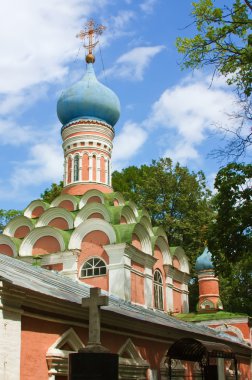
[
  {"x": 13, "y": 134},
  {"x": 45, "y": 163},
  {"x": 132, "y": 64},
  {"x": 37, "y": 39},
  {"x": 190, "y": 110},
  {"x": 127, "y": 143},
  {"x": 148, "y": 5}
]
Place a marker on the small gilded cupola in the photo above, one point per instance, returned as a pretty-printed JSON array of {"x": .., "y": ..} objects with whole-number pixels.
[{"x": 88, "y": 112}]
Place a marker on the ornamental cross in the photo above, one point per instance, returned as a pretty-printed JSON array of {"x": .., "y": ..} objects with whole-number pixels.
[
  {"x": 94, "y": 303},
  {"x": 90, "y": 29}
]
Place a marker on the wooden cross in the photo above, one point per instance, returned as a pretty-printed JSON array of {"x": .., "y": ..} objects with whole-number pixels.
[{"x": 94, "y": 303}]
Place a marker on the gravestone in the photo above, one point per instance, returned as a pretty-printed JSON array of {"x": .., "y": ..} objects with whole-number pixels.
[{"x": 94, "y": 362}]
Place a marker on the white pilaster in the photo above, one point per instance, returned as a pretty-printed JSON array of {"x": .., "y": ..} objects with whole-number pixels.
[
  {"x": 119, "y": 271},
  {"x": 148, "y": 287},
  {"x": 106, "y": 171},
  {"x": 90, "y": 168},
  {"x": 10, "y": 341},
  {"x": 185, "y": 301},
  {"x": 98, "y": 169}
]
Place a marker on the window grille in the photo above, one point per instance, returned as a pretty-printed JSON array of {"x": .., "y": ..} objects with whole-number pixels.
[
  {"x": 94, "y": 267},
  {"x": 76, "y": 168},
  {"x": 158, "y": 290}
]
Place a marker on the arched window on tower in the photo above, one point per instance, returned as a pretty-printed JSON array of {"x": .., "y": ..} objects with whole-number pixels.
[
  {"x": 93, "y": 267},
  {"x": 76, "y": 168},
  {"x": 158, "y": 290}
]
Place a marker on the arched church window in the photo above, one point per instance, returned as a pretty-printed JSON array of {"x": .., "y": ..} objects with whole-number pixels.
[
  {"x": 93, "y": 267},
  {"x": 158, "y": 290},
  {"x": 76, "y": 168}
]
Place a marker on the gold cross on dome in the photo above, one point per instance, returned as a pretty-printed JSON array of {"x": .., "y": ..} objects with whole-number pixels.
[{"x": 89, "y": 31}]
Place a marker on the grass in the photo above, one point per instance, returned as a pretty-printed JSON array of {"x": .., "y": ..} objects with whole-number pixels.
[{"x": 197, "y": 317}]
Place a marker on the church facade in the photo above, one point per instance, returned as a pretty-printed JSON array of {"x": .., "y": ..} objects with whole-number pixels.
[{"x": 90, "y": 236}]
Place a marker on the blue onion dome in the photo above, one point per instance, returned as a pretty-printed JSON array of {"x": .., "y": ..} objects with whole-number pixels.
[
  {"x": 88, "y": 99},
  {"x": 204, "y": 261}
]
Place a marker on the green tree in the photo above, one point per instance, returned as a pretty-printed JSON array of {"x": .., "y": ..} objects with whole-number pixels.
[
  {"x": 230, "y": 235},
  {"x": 175, "y": 198},
  {"x": 6, "y": 216},
  {"x": 224, "y": 41},
  {"x": 52, "y": 192}
]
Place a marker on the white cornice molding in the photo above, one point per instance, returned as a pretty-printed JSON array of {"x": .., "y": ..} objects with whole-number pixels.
[
  {"x": 89, "y": 194},
  {"x": 128, "y": 214},
  {"x": 162, "y": 244},
  {"x": 15, "y": 223},
  {"x": 55, "y": 212},
  {"x": 65, "y": 197},
  {"x": 6, "y": 240},
  {"x": 89, "y": 209},
  {"x": 91, "y": 225},
  {"x": 34, "y": 204},
  {"x": 182, "y": 258},
  {"x": 144, "y": 238},
  {"x": 39, "y": 232}
]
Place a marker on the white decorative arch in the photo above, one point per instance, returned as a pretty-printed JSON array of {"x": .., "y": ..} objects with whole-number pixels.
[
  {"x": 34, "y": 204},
  {"x": 6, "y": 240},
  {"x": 145, "y": 221},
  {"x": 159, "y": 231},
  {"x": 37, "y": 233},
  {"x": 65, "y": 197},
  {"x": 128, "y": 214},
  {"x": 118, "y": 196},
  {"x": 88, "y": 226},
  {"x": 91, "y": 208},
  {"x": 144, "y": 238},
  {"x": 57, "y": 356},
  {"x": 133, "y": 207},
  {"x": 89, "y": 194},
  {"x": 229, "y": 328},
  {"x": 183, "y": 260},
  {"x": 164, "y": 248},
  {"x": 131, "y": 363},
  {"x": 145, "y": 213},
  {"x": 55, "y": 212},
  {"x": 206, "y": 303},
  {"x": 15, "y": 223}
]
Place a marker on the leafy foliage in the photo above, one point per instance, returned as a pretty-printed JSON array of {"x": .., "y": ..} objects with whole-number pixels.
[
  {"x": 52, "y": 192},
  {"x": 6, "y": 216},
  {"x": 230, "y": 235},
  {"x": 224, "y": 40},
  {"x": 175, "y": 198}
]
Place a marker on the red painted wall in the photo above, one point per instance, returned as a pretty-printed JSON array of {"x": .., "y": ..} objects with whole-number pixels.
[
  {"x": 68, "y": 205},
  {"x": 45, "y": 244},
  {"x": 102, "y": 163},
  {"x": 96, "y": 215},
  {"x": 94, "y": 199},
  {"x": 85, "y": 171},
  {"x": 136, "y": 242},
  {"x": 92, "y": 245},
  {"x": 6, "y": 250},
  {"x": 37, "y": 212},
  {"x": 21, "y": 232},
  {"x": 59, "y": 223}
]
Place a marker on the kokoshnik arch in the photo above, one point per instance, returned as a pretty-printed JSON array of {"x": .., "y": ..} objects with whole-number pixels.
[{"x": 90, "y": 236}]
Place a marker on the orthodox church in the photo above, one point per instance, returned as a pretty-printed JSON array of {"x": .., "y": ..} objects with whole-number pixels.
[{"x": 89, "y": 236}]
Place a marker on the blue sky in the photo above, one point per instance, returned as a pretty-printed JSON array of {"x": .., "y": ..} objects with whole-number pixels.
[{"x": 164, "y": 111}]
